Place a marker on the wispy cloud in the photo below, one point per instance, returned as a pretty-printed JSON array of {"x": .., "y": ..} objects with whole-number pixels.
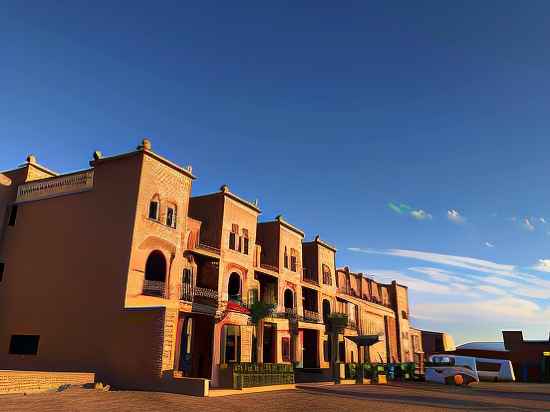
[
  {"x": 503, "y": 309},
  {"x": 441, "y": 275},
  {"x": 454, "y": 216},
  {"x": 464, "y": 262},
  {"x": 420, "y": 214},
  {"x": 542, "y": 220},
  {"x": 489, "y": 244}
]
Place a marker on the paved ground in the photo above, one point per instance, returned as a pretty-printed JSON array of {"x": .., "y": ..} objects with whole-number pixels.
[{"x": 395, "y": 397}]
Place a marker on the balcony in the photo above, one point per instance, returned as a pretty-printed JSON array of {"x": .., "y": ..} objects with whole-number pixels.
[
  {"x": 208, "y": 247},
  {"x": 271, "y": 268},
  {"x": 308, "y": 277},
  {"x": 56, "y": 186},
  {"x": 199, "y": 295},
  {"x": 311, "y": 316},
  {"x": 153, "y": 288}
]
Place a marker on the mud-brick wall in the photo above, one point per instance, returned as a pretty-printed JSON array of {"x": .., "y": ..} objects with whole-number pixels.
[{"x": 30, "y": 381}]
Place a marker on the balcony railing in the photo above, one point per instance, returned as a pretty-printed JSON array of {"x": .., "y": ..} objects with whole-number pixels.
[
  {"x": 311, "y": 316},
  {"x": 57, "y": 186},
  {"x": 269, "y": 267},
  {"x": 308, "y": 277},
  {"x": 206, "y": 246},
  {"x": 153, "y": 288}
]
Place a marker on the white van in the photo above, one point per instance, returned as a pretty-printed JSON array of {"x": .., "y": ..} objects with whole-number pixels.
[
  {"x": 444, "y": 368},
  {"x": 495, "y": 370}
]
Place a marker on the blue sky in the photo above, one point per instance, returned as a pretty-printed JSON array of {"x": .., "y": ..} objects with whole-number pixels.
[{"x": 328, "y": 113}]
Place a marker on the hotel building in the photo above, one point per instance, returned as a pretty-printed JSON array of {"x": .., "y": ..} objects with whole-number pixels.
[{"x": 117, "y": 269}]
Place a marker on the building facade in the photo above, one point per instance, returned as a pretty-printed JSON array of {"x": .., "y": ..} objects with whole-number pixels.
[{"x": 119, "y": 270}]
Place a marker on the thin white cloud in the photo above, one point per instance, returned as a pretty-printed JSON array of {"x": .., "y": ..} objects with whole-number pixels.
[
  {"x": 489, "y": 244},
  {"x": 464, "y": 262},
  {"x": 420, "y": 214},
  {"x": 503, "y": 310},
  {"x": 454, "y": 216},
  {"x": 542, "y": 220},
  {"x": 499, "y": 281},
  {"x": 441, "y": 275}
]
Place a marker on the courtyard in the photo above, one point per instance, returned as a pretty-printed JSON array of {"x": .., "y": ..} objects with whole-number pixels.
[{"x": 393, "y": 397}]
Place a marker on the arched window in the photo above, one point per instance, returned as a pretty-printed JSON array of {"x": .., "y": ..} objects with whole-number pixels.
[
  {"x": 326, "y": 310},
  {"x": 154, "y": 208},
  {"x": 171, "y": 216},
  {"x": 155, "y": 274},
  {"x": 289, "y": 299},
  {"x": 234, "y": 287},
  {"x": 293, "y": 260},
  {"x": 327, "y": 275}
]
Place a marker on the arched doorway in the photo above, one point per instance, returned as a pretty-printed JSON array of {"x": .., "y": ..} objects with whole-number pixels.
[
  {"x": 234, "y": 287},
  {"x": 155, "y": 274},
  {"x": 289, "y": 300},
  {"x": 326, "y": 310}
]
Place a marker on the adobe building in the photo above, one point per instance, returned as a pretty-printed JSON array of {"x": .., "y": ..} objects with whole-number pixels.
[
  {"x": 151, "y": 288},
  {"x": 530, "y": 358}
]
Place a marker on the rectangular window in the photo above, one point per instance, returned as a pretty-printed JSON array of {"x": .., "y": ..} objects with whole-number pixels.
[
  {"x": 286, "y": 259},
  {"x": 232, "y": 243},
  {"x": 153, "y": 210},
  {"x": 326, "y": 350},
  {"x": 1, "y": 271},
  {"x": 231, "y": 342},
  {"x": 245, "y": 241},
  {"x": 285, "y": 349},
  {"x": 13, "y": 215},
  {"x": 293, "y": 262},
  {"x": 24, "y": 344},
  {"x": 170, "y": 217}
]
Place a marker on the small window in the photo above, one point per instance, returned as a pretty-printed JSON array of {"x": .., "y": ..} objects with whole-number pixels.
[
  {"x": 1, "y": 271},
  {"x": 245, "y": 241},
  {"x": 285, "y": 349},
  {"x": 231, "y": 344},
  {"x": 286, "y": 258},
  {"x": 24, "y": 344},
  {"x": 154, "y": 210},
  {"x": 171, "y": 217},
  {"x": 13, "y": 215},
  {"x": 404, "y": 315},
  {"x": 232, "y": 241},
  {"x": 293, "y": 260}
]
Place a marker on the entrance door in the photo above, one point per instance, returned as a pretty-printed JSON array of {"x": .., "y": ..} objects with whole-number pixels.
[
  {"x": 195, "y": 348},
  {"x": 269, "y": 343},
  {"x": 311, "y": 349}
]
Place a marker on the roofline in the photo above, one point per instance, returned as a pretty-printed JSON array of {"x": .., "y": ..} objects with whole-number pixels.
[
  {"x": 318, "y": 240},
  {"x": 224, "y": 191},
  {"x": 280, "y": 220},
  {"x": 149, "y": 152}
]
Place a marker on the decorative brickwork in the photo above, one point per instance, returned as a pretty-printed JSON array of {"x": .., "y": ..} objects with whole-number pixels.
[{"x": 32, "y": 381}]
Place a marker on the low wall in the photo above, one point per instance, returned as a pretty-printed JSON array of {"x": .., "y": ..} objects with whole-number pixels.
[{"x": 32, "y": 381}]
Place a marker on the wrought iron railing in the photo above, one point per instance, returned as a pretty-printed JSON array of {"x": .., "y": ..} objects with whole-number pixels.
[
  {"x": 269, "y": 267},
  {"x": 153, "y": 288},
  {"x": 207, "y": 246},
  {"x": 56, "y": 186},
  {"x": 308, "y": 277},
  {"x": 310, "y": 315}
]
